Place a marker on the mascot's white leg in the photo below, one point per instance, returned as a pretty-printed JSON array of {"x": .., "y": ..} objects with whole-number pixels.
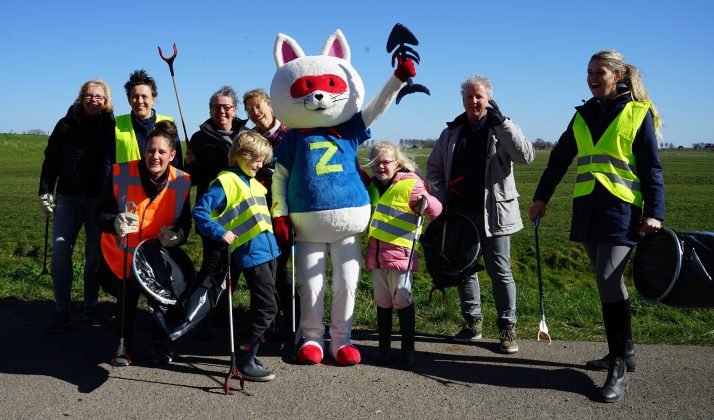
[
  {"x": 345, "y": 258},
  {"x": 311, "y": 264}
]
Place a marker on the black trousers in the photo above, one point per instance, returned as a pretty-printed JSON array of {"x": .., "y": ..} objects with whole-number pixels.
[{"x": 260, "y": 280}]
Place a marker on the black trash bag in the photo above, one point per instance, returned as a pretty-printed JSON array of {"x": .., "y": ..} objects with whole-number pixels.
[
  {"x": 168, "y": 279},
  {"x": 451, "y": 250},
  {"x": 675, "y": 268}
]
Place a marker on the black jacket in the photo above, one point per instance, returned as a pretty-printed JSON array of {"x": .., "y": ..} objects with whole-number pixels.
[
  {"x": 600, "y": 216},
  {"x": 79, "y": 155},
  {"x": 210, "y": 150}
]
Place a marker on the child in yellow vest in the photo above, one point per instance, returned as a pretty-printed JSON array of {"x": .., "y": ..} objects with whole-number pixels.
[
  {"x": 391, "y": 234},
  {"x": 234, "y": 211}
]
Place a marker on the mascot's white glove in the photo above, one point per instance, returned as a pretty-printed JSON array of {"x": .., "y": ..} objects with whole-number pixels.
[
  {"x": 126, "y": 222},
  {"x": 169, "y": 238},
  {"x": 47, "y": 204}
]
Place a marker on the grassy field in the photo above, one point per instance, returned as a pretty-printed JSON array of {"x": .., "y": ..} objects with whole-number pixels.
[{"x": 571, "y": 303}]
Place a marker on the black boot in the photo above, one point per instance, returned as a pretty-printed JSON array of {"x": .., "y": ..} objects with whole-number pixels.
[
  {"x": 249, "y": 367},
  {"x": 384, "y": 327},
  {"x": 603, "y": 364},
  {"x": 617, "y": 317},
  {"x": 406, "y": 324},
  {"x": 616, "y": 383}
]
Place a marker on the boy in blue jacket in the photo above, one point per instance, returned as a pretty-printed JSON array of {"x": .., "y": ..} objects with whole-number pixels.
[{"x": 234, "y": 211}]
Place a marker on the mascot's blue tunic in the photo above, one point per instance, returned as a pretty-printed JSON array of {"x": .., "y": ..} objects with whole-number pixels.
[{"x": 323, "y": 165}]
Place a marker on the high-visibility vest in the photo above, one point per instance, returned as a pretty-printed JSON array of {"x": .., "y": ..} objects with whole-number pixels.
[
  {"x": 164, "y": 210},
  {"x": 246, "y": 213},
  {"x": 127, "y": 147},
  {"x": 611, "y": 161},
  {"x": 393, "y": 221}
]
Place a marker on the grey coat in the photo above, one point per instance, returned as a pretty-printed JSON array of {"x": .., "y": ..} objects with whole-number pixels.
[{"x": 506, "y": 144}]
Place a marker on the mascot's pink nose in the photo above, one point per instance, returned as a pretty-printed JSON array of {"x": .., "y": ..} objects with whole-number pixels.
[{"x": 329, "y": 83}]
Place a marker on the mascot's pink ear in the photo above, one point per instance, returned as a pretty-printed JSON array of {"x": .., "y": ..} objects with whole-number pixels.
[
  {"x": 286, "y": 50},
  {"x": 336, "y": 46}
]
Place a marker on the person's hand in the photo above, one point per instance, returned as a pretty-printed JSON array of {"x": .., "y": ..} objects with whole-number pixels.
[
  {"x": 47, "y": 204},
  {"x": 125, "y": 223},
  {"x": 493, "y": 113},
  {"x": 228, "y": 237},
  {"x": 169, "y": 238},
  {"x": 650, "y": 225},
  {"x": 537, "y": 210},
  {"x": 281, "y": 229},
  {"x": 405, "y": 69}
]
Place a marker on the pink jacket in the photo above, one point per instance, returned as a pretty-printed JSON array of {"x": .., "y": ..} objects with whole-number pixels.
[{"x": 384, "y": 255}]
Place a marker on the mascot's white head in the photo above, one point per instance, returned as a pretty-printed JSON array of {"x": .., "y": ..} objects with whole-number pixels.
[{"x": 315, "y": 91}]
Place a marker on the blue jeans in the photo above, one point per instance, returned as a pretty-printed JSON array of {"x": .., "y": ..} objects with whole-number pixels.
[
  {"x": 497, "y": 259},
  {"x": 69, "y": 216}
]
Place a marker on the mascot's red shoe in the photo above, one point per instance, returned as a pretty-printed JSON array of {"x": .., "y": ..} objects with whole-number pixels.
[
  {"x": 309, "y": 354},
  {"x": 348, "y": 356}
]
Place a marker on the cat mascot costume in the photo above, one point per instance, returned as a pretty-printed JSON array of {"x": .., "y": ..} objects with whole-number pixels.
[{"x": 317, "y": 187}]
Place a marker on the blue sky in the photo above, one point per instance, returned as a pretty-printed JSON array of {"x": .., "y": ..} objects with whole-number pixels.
[{"x": 535, "y": 54}]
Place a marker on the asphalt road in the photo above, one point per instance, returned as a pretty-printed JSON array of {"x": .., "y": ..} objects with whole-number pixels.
[{"x": 68, "y": 376}]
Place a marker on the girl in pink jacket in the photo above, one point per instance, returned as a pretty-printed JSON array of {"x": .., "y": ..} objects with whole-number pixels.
[{"x": 397, "y": 194}]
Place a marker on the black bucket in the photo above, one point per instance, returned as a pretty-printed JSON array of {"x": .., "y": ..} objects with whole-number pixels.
[{"x": 675, "y": 268}]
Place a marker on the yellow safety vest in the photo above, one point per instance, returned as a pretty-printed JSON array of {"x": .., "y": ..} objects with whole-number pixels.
[
  {"x": 610, "y": 161},
  {"x": 393, "y": 221},
  {"x": 127, "y": 147},
  {"x": 246, "y": 213}
]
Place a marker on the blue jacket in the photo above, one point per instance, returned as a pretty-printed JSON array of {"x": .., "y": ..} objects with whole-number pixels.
[
  {"x": 600, "y": 216},
  {"x": 261, "y": 249}
]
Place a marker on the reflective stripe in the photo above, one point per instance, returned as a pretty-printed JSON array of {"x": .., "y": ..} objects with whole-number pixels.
[
  {"x": 240, "y": 208},
  {"x": 123, "y": 181},
  {"x": 617, "y": 163},
  {"x": 614, "y": 178},
  {"x": 397, "y": 214},
  {"x": 181, "y": 186},
  {"x": 393, "y": 230},
  {"x": 250, "y": 223}
]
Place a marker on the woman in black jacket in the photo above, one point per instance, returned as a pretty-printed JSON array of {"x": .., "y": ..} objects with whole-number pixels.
[
  {"x": 619, "y": 192},
  {"x": 77, "y": 162}
]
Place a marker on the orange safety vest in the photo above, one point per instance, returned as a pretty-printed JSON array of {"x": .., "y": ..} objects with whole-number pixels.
[{"x": 164, "y": 210}]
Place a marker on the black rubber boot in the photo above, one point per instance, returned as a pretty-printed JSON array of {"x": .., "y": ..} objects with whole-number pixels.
[
  {"x": 617, "y": 317},
  {"x": 249, "y": 367},
  {"x": 384, "y": 328},
  {"x": 406, "y": 324},
  {"x": 616, "y": 383},
  {"x": 602, "y": 365}
]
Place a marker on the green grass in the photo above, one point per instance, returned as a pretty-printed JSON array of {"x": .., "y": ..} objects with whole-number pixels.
[{"x": 571, "y": 302}]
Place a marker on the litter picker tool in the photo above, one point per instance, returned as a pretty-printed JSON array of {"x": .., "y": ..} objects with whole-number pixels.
[
  {"x": 121, "y": 351},
  {"x": 44, "y": 259},
  {"x": 292, "y": 289},
  {"x": 170, "y": 62},
  {"x": 420, "y": 220},
  {"x": 542, "y": 328},
  {"x": 233, "y": 371}
]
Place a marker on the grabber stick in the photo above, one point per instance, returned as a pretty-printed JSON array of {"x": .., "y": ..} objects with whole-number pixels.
[
  {"x": 292, "y": 288},
  {"x": 420, "y": 220},
  {"x": 542, "y": 328},
  {"x": 170, "y": 62},
  {"x": 44, "y": 259},
  {"x": 121, "y": 351},
  {"x": 233, "y": 371}
]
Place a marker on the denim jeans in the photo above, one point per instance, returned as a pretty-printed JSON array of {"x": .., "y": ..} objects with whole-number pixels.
[
  {"x": 69, "y": 216},
  {"x": 497, "y": 259}
]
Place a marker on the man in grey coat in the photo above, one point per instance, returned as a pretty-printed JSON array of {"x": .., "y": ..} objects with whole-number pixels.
[{"x": 470, "y": 171}]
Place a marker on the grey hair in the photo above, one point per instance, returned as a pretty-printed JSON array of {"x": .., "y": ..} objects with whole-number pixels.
[
  {"x": 226, "y": 91},
  {"x": 477, "y": 79}
]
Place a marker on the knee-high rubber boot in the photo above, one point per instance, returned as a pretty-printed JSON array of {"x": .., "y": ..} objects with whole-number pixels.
[
  {"x": 384, "y": 328},
  {"x": 249, "y": 367},
  {"x": 406, "y": 324},
  {"x": 617, "y": 318},
  {"x": 617, "y": 311}
]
